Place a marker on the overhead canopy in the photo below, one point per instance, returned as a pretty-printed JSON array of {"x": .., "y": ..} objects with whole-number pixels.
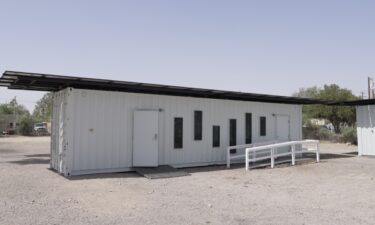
[
  {"x": 354, "y": 102},
  {"x": 48, "y": 82}
]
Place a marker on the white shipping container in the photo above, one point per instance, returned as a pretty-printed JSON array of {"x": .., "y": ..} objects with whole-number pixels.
[{"x": 97, "y": 131}]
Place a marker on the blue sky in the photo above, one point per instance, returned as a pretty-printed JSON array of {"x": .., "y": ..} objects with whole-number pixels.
[{"x": 272, "y": 47}]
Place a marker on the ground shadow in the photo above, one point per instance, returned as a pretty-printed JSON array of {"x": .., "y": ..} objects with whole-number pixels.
[
  {"x": 30, "y": 161},
  {"x": 38, "y": 155},
  {"x": 7, "y": 151},
  {"x": 280, "y": 162},
  {"x": 212, "y": 168},
  {"x": 101, "y": 176},
  {"x": 327, "y": 156},
  {"x": 351, "y": 153}
]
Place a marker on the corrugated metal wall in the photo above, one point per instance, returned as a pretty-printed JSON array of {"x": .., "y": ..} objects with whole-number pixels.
[
  {"x": 101, "y": 123},
  {"x": 58, "y": 131},
  {"x": 366, "y": 129}
]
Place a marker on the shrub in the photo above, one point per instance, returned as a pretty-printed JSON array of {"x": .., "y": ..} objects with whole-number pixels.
[
  {"x": 324, "y": 134},
  {"x": 317, "y": 132},
  {"x": 349, "y": 135},
  {"x": 309, "y": 132}
]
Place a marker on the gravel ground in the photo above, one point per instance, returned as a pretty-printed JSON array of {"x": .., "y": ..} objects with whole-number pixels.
[{"x": 339, "y": 190}]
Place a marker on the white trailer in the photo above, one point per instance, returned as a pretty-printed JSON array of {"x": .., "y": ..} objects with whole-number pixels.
[
  {"x": 104, "y": 131},
  {"x": 111, "y": 126}
]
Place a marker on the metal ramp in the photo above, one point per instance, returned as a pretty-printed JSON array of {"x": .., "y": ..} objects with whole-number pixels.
[
  {"x": 265, "y": 150},
  {"x": 160, "y": 172}
]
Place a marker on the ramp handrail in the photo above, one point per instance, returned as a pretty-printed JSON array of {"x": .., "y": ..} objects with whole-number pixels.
[
  {"x": 273, "y": 148},
  {"x": 229, "y": 157}
]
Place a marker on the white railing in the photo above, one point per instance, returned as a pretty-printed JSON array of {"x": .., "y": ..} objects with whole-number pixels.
[
  {"x": 239, "y": 156},
  {"x": 273, "y": 151}
]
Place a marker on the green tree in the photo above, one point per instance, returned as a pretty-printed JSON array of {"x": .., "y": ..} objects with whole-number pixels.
[
  {"x": 43, "y": 108},
  {"x": 308, "y": 111},
  {"x": 17, "y": 111},
  {"x": 13, "y": 108},
  {"x": 337, "y": 115}
]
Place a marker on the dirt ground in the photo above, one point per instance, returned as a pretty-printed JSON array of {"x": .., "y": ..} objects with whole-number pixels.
[{"x": 339, "y": 190}]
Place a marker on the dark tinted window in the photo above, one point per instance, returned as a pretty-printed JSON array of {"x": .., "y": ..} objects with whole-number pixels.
[
  {"x": 232, "y": 134},
  {"x": 197, "y": 125},
  {"x": 216, "y": 136},
  {"x": 262, "y": 126},
  {"x": 248, "y": 128},
  {"x": 178, "y": 127}
]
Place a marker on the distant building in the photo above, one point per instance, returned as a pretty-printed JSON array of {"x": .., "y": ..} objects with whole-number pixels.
[{"x": 7, "y": 122}]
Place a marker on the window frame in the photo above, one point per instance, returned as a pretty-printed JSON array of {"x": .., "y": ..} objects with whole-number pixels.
[
  {"x": 232, "y": 134},
  {"x": 263, "y": 126},
  {"x": 215, "y": 141},
  {"x": 248, "y": 128},
  {"x": 198, "y": 125},
  {"x": 178, "y": 133}
]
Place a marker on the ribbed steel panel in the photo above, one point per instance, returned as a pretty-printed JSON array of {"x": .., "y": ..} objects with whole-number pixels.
[
  {"x": 100, "y": 125},
  {"x": 366, "y": 129},
  {"x": 58, "y": 131}
]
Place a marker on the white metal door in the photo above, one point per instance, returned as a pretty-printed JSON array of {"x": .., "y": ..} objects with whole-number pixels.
[
  {"x": 282, "y": 131},
  {"x": 145, "y": 138},
  {"x": 282, "y": 128}
]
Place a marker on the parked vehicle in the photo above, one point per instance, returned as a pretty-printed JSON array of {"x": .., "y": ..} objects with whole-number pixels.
[{"x": 40, "y": 129}]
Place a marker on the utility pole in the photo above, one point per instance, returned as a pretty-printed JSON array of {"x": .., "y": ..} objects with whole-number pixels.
[
  {"x": 370, "y": 83},
  {"x": 368, "y": 87},
  {"x": 14, "y": 113}
]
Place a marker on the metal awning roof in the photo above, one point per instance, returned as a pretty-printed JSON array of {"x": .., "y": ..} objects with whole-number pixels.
[
  {"x": 354, "y": 102},
  {"x": 48, "y": 82}
]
